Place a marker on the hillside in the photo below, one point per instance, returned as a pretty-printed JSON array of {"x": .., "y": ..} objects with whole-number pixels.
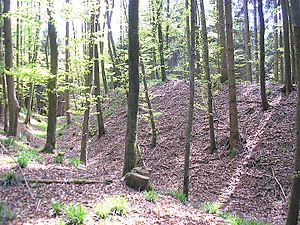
[{"x": 253, "y": 185}]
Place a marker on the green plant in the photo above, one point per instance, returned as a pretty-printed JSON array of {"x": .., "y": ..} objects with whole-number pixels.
[
  {"x": 59, "y": 158},
  {"x": 150, "y": 195},
  {"x": 74, "y": 162},
  {"x": 211, "y": 207},
  {"x": 178, "y": 195},
  {"x": 7, "y": 142},
  {"x": 9, "y": 179},
  {"x": 56, "y": 208},
  {"x": 232, "y": 153},
  {"x": 6, "y": 214},
  {"x": 269, "y": 91},
  {"x": 76, "y": 214},
  {"x": 26, "y": 156},
  {"x": 235, "y": 220},
  {"x": 111, "y": 206}
]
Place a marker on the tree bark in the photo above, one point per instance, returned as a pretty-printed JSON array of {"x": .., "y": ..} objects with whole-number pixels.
[
  {"x": 262, "y": 71},
  {"x": 293, "y": 210},
  {"x": 101, "y": 129},
  {"x": 52, "y": 93},
  {"x": 29, "y": 105},
  {"x": 189, "y": 126},
  {"x": 133, "y": 93},
  {"x": 256, "y": 61},
  {"x": 161, "y": 42},
  {"x": 222, "y": 40},
  {"x": 247, "y": 43},
  {"x": 208, "y": 79},
  {"x": 88, "y": 94},
  {"x": 233, "y": 114},
  {"x": 67, "y": 69},
  {"x": 276, "y": 61},
  {"x": 287, "y": 57},
  {"x": 13, "y": 105},
  {"x": 150, "y": 111}
]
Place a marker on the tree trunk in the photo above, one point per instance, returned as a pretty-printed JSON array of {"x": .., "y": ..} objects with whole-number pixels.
[
  {"x": 247, "y": 43},
  {"x": 276, "y": 61},
  {"x": 281, "y": 64},
  {"x": 262, "y": 71},
  {"x": 102, "y": 62},
  {"x": 208, "y": 79},
  {"x": 287, "y": 58},
  {"x": 13, "y": 105},
  {"x": 292, "y": 40},
  {"x": 161, "y": 42},
  {"x": 52, "y": 93},
  {"x": 188, "y": 131},
  {"x": 133, "y": 93},
  {"x": 67, "y": 69},
  {"x": 256, "y": 43},
  {"x": 293, "y": 210},
  {"x": 29, "y": 105},
  {"x": 101, "y": 129},
  {"x": 88, "y": 94},
  {"x": 222, "y": 40},
  {"x": 233, "y": 114},
  {"x": 150, "y": 111}
]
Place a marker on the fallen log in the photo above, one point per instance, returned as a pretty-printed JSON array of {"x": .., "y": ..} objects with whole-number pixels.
[{"x": 70, "y": 181}]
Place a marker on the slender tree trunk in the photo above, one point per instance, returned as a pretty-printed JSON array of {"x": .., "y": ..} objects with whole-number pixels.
[
  {"x": 29, "y": 105},
  {"x": 67, "y": 69},
  {"x": 102, "y": 62},
  {"x": 13, "y": 105},
  {"x": 88, "y": 94},
  {"x": 233, "y": 114},
  {"x": 281, "y": 64},
  {"x": 262, "y": 71},
  {"x": 161, "y": 42},
  {"x": 52, "y": 93},
  {"x": 150, "y": 111},
  {"x": 256, "y": 61},
  {"x": 222, "y": 40},
  {"x": 188, "y": 131},
  {"x": 101, "y": 129},
  {"x": 208, "y": 79},
  {"x": 293, "y": 210},
  {"x": 133, "y": 93},
  {"x": 287, "y": 58},
  {"x": 292, "y": 41},
  {"x": 276, "y": 60},
  {"x": 247, "y": 43}
]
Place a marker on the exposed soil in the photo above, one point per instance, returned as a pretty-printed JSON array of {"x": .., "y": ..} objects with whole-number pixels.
[{"x": 254, "y": 185}]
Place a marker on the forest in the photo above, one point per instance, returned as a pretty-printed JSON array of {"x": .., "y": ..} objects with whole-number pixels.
[{"x": 150, "y": 112}]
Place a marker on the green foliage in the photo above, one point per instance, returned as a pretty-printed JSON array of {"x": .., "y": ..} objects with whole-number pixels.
[
  {"x": 111, "y": 206},
  {"x": 178, "y": 195},
  {"x": 7, "y": 142},
  {"x": 56, "y": 208},
  {"x": 235, "y": 220},
  {"x": 6, "y": 214},
  {"x": 59, "y": 158},
  {"x": 211, "y": 207},
  {"x": 150, "y": 195},
  {"x": 9, "y": 179},
  {"x": 26, "y": 156},
  {"x": 75, "y": 214},
  {"x": 74, "y": 162},
  {"x": 269, "y": 91},
  {"x": 32, "y": 73},
  {"x": 232, "y": 153}
]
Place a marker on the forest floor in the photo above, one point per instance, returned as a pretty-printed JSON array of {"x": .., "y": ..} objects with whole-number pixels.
[{"x": 253, "y": 185}]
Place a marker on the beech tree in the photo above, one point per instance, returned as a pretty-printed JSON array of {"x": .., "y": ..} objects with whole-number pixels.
[
  {"x": 52, "y": 92},
  {"x": 134, "y": 85},
  {"x": 262, "y": 71},
  {"x": 13, "y": 105},
  {"x": 233, "y": 114},
  {"x": 189, "y": 126},
  {"x": 293, "y": 209},
  {"x": 247, "y": 43}
]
